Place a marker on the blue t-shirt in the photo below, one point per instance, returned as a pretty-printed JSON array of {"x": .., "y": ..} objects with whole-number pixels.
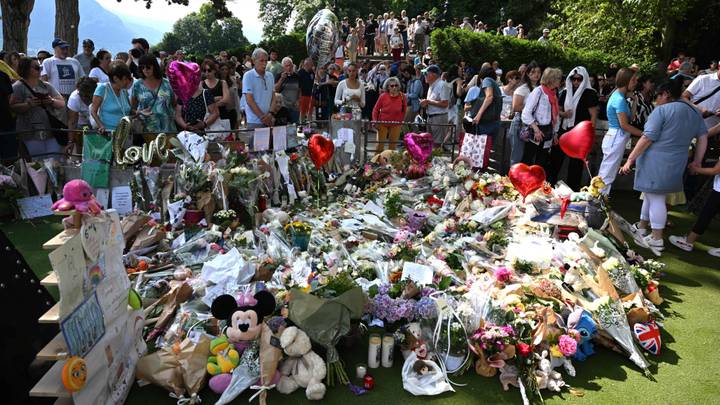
[
  {"x": 113, "y": 107},
  {"x": 616, "y": 104},
  {"x": 262, "y": 91}
]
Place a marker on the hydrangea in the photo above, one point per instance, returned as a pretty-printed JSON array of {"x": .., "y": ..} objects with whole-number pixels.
[
  {"x": 567, "y": 345},
  {"x": 426, "y": 308}
]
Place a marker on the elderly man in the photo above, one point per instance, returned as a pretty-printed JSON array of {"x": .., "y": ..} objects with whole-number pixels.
[
  {"x": 60, "y": 70},
  {"x": 545, "y": 38},
  {"x": 510, "y": 30},
  {"x": 86, "y": 56},
  {"x": 257, "y": 87},
  {"x": 436, "y": 103}
]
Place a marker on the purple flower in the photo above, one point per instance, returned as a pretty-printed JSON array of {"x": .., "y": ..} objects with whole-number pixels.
[{"x": 426, "y": 308}]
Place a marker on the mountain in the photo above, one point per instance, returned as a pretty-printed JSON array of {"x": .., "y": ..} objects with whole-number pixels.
[{"x": 107, "y": 30}]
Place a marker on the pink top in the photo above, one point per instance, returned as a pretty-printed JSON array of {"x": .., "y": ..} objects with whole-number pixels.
[{"x": 389, "y": 108}]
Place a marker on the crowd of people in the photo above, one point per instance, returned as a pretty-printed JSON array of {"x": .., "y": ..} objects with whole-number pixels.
[{"x": 667, "y": 115}]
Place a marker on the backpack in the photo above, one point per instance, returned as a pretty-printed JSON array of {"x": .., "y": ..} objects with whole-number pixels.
[{"x": 492, "y": 113}]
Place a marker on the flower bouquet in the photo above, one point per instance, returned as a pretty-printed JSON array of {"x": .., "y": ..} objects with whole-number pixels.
[
  {"x": 225, "y": 218},
  {"x": 299, "y": 234}
]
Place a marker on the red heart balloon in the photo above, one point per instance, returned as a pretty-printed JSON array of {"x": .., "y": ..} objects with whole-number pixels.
[
  {"x": 526, "y": 179},
  {"x": 320, "y": 149},
  {"x": 578, "y": 142}
]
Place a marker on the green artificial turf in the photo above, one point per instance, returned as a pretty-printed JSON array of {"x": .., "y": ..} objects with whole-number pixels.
[{"x": 687, "y": 370}]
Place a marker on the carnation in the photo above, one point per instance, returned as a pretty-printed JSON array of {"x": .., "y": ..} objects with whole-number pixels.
[
  {"x": 502, "y": 274},
  {"x": 567, "y": 345},
  {"x": 524, "y": 349}
]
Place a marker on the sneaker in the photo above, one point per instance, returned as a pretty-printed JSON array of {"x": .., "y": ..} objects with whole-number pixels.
[
  {"x": 714, "y": 252},
  {"x": 657, "y": 244},
  {"x": 681, "y": 243},
  {"x": 640, "y": 231}
]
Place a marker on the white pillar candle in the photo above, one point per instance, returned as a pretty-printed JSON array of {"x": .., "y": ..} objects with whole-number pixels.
[
  {"x": 374, "y": 351},
  {"x": 360, "y": 371},
  {"x": 388, "y": 347}
]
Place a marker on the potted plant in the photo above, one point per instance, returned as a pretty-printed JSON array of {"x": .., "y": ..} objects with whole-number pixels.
[{"x": 299, "y": 234}]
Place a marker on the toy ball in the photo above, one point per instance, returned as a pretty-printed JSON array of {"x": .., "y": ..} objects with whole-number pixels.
[
  {"x": 74, "y": 374},
  {"x": 220, "y": 382}
]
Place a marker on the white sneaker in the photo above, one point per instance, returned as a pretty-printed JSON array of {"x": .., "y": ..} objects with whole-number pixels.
[
  {"x": 681, "y": 243},
  {"x": 637, "y": 230},
  {"x": 657, "y": 244},
  {"x": 714, "y": 252}
]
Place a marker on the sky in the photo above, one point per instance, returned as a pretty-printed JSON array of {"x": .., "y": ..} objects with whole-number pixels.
[{"x": 163, "y": 15}]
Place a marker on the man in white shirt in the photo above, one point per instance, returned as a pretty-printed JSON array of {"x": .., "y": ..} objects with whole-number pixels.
[
  {"x": 704, "y": 92},
  {"x": 60, "y": 70},
  {"x": 509, "y": 30},
  {"x": 545, "y": 38},
  {"x": 436, "y": 103},
  {"x": 466, "y": 25}
]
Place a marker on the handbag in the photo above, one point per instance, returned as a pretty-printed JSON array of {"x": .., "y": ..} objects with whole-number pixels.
[
  {"x": 526, "y": 132},
  {"x": 57, "y": 128},
  {"x": 218, "y": 125}
]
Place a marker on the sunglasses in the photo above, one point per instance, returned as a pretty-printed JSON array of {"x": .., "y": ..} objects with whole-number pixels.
[
  {"x": 145, "y": 67},
  {"x": 393, "y": 85},
  {"x": 208, "y": 70},
  {"x": 576, "y": 79}
]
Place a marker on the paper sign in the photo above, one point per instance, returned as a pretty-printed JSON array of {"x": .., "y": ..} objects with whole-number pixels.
[
  {"x": 279, "y": 138},
  {"x": 68, "y": 262},
  {"x": 102, "y": 195},
  {"x": 84, "y": 327},
  {"x": 36, "y": 206},
  {"x": 292, "y": 140},
  {"x": 195, "y": 144},
  {"x": 490, "y": 215},
  {"x": 176, "y": 211},
  {"x": 261, "y": 139},
  {"x": 94, "y": 236},
  {"x": 122, "y": 199},
  {"x": 421, "y": 275}
]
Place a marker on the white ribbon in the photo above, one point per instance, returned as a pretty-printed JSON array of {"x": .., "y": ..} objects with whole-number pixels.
[
  {"x": 260, "y": 389},
  {"x": 448, "y": 310},
  {"x": 181, "y": 400}
]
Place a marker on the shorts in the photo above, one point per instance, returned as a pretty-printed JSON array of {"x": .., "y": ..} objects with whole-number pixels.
[{"x": 306, "y": 104}]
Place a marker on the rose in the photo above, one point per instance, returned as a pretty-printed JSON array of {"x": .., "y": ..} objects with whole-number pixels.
[
  {"x": 502, "y": 274},
  {"x": 567, "y": 345},
  {"x": 523, "y": 349}
]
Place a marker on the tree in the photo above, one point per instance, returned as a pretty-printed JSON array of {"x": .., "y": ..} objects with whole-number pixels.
[
  {"x": 15, "y": 22},
  {"x": 204, "y": 32},
  {"x": 67, "y": 21}
]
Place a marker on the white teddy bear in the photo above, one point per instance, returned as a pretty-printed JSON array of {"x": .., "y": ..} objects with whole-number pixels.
[
  {"x": 303, "y": 367},
  {"x": 547, "y": 378}
]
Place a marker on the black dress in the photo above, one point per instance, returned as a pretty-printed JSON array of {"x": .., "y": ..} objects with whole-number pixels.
[{"x": 216, "y": 91}]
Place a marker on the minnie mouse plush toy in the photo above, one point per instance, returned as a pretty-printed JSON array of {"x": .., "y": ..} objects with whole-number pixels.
[{"x": 245, "y": 315}]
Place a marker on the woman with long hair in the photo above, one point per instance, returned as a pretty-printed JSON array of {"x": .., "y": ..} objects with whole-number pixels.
[
  {"x": 530, "y": 78},
  {"x": 351, "y": 91},
  {"x": 217, "y": 88},
  {"x": 153, "y": 98},
  {"x": 100, "y": 66}
]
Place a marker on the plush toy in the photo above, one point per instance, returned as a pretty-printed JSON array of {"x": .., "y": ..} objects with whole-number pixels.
[
  {"x": 244, "y": 316},
  {"x": 303, "y": 368},
  {"x": 74, "y": 374},
  {"x": 546, "y": 377},
  {"x": 582, "y": 321},
  {"x": 509, "y": 376},
  {"x": 565, "y": 362},
  {"x": 220, "y": 365},
  {"x": 78, "y": 196}
]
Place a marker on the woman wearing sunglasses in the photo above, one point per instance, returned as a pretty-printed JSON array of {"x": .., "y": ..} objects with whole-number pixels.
[
  {"x": 390, "y": 107},
  {"x": 153, "y": 98},
  {"x": 579, "y": 101}
]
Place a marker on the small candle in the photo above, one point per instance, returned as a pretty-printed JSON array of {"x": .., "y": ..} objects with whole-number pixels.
[
  {"x": 374, "y": 351},
  {"x": 360, "y": 371},
  {"x": 368, "y": 382}
]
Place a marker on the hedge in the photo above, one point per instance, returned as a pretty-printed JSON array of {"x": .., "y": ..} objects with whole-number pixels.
[{"x": 451, "y": 45}]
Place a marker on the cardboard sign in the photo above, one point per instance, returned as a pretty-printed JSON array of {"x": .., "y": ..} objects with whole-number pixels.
[{"x": 36, "y": 206}]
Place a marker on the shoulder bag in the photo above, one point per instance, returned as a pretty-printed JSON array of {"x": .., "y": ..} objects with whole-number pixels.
[
  {"x": 526, "y": 131},
  {"x": 57, "y": 127}
]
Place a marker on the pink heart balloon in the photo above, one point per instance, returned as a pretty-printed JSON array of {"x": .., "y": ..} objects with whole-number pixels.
[
  {"x": 184, "y": 78},
  {"x": 419, "y": 146}
]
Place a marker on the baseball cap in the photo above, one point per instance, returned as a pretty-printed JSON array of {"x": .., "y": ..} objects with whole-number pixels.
[
  {"x": 433, "y": 69},
  {"x": 60, "y": 43},
  {"x": 88, "y": 42}
]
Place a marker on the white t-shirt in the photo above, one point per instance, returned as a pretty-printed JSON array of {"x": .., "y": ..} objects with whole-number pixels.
[
  {"x": 522, "y": 91},
  {"x": 510, "y": 31},
  {"x": 716, "y": 183},
  {"x": 396, "y": 41},
  {"x": 438, "y": 91},
  {"x": 701, "y": 87},
  {"x": 63, "y": 74},
  {"x": 98, "y": 74},
  {"x": 76, "y": 104}
]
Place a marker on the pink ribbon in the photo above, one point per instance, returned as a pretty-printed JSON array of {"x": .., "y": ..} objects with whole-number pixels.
[{"x": 246, "y": 300}]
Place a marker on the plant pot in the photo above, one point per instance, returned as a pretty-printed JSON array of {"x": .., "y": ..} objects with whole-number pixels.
[
  {"x": 453, "y": 362},
  {"x": 300, "y": 241},
  {"x": 192, "y": 217}
]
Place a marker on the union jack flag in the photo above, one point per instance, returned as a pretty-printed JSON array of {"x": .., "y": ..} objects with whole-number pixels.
[{"x": 648, "y": 334}]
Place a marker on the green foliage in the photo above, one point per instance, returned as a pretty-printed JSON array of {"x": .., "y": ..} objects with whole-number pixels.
[
  {"x": 292, "y": 45},
  {"x": 203, "y": 32},
  {"x": 451, "y": 45}
]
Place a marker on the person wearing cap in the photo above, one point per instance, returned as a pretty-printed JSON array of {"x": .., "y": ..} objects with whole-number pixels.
[
  {"x": 545, "y": 38},
  {"x": 436, "y": 103},
  {"x": 60, "y": 70},
  {"x": 86, "y": 56}
]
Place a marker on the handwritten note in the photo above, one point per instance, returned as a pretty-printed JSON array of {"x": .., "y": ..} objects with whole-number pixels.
[
  {"x": 122, "y": 199},
  {"x": 102, "y": 195},
  {"x": 84, "y": 327},
  {"x": 195, "y": 144},
  {"x": 68, "y": 262},
  {"x": 36, "y": 206},
  {"x": 261, "y": 139},
  {"x": 421, "y": 275},
  {"x": 279, "y": 138}
]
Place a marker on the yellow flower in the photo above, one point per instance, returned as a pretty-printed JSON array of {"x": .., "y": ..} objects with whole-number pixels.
[{"x": 555, "y": 351}]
